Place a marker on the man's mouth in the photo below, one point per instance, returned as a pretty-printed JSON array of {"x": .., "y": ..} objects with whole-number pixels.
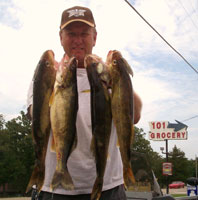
[{"x": 77, "y": 48}]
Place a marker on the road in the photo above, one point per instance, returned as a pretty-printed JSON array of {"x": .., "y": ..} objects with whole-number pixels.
[
  {"x": 171, "y": 191},
  {"x": 175, "y": 191}
]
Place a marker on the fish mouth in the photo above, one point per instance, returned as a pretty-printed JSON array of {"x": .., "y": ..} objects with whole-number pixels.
[
  {"x": 48, "y": 57},
  {"x": 61, "y": 72},
  {"x": 109, "y": 57},
  {"x": 90, "y": 59},
  {"x": 112, "y": 56},
  {"x": 71, "y": 60}
]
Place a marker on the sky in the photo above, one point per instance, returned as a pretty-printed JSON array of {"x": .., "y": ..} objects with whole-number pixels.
[{"x": 166, "y": 84}]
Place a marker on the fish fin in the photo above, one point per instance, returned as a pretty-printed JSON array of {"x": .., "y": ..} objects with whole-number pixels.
[
  {"x": 37, "y": 178},
  {"x": 51, "y": 98},
  {"x": 118, "y": 144},
  {"x": 97, "y": 189},
  {"x": 129, "y": 178},
  {"x": 129, "y": 70},
  {"x": 93, "y": 145},
  {"x": 53, "y": 146},
  {"x": 128, "y": 67},
  {"x": 131, "y": 175},
  {"x": 62, "y": 178},
  {"x": 108, "y": 156},
  {"x": 133, "y": 133},
  {"x": 74, "y": 143}
]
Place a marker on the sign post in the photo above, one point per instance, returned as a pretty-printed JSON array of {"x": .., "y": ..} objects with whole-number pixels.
[{"x": 164, "y": 131}]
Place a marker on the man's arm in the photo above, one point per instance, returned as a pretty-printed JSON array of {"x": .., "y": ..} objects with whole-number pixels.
[{"x": 137, "y": 108}]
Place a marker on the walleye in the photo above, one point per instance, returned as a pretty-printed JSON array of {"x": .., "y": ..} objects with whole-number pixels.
[
  {"x": 63, "y": 112},
  {"x": 101, "y": 118},
  {"x": 43, "y": 84},
  {"x": 122, "y": 109}
]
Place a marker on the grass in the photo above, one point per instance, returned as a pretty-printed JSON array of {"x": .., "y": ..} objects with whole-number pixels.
[{"x": 179, "y": 195}]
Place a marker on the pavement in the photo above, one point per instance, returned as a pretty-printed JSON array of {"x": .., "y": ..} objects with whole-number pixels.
[{"x": 176, "y": 191}]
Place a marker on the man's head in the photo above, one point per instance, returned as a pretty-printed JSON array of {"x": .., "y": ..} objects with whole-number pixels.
[{"x": 77, "y": 32}]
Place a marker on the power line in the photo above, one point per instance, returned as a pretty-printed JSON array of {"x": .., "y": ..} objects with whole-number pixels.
[
  {"x": 184, "y": 27},
  {"x": 194, "y": 9},
  {"x": 162, "y": 37},
  {"x": 190, "y": 118},
  {"x": 188, "y": 14}
]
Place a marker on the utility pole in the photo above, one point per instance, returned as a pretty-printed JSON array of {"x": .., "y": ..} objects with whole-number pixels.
[
  {"x": 162, "y": 149},
  {"x": 167, "y": 188},
  {"x": 196, "y": 164}
]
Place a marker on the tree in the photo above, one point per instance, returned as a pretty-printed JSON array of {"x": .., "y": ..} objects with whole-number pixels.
[
  {"x": 143, "y": 146},
  {"x": 16, "y": 150},
  {"x": 145, "y": 157},
  {"x": 180, "y": 165},
  {"x": 2, "y": 121}
]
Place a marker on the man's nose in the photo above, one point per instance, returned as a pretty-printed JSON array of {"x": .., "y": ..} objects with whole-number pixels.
[{"x": 78, "y": 39}]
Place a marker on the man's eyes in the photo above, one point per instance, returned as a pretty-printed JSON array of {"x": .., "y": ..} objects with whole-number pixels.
[{"x": 71, "y": 34}]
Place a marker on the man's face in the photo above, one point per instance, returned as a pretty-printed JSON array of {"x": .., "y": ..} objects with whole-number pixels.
[{"x": 77, "y": 40}]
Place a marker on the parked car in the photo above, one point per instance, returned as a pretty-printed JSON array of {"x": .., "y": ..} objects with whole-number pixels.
[{"x": 176, "y": 184}]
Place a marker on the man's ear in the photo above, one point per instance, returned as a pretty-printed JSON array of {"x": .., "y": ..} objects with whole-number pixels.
[
  {"x": 95, "y": 37},
  {"x": 60, "y": 34}
]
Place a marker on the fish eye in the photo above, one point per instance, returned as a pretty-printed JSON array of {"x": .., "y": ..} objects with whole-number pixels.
[
  {"x": 47, "y": 63},
  {"x": 114, "y": 62}
]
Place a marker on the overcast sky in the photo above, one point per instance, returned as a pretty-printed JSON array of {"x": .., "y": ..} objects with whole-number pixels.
[{"x": 167, "y": 85}]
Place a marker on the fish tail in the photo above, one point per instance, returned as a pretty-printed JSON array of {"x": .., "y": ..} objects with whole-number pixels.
[
  {"x": 97, "y": 189},
  {"x": 37, "y": 178},
  {"x": 62, "y": 178},
  {"x": 129, "y": 178},
  {"x": 131, "y": 175}
]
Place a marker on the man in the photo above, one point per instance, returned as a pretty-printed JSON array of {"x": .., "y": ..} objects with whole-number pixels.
[{"x": 78, "y": 37}]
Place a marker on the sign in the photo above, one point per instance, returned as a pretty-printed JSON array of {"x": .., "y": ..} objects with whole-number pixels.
[
  {"x": 164, "y": 130},
  {"x": 167, "y": 169},
  {"x": 193, "y": 189}
]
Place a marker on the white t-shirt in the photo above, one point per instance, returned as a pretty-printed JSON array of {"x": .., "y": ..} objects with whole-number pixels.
[{"x": 81, "y": 163}]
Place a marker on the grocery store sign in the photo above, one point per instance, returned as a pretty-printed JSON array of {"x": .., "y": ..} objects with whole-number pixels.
[{"x": 164, "y": 130}]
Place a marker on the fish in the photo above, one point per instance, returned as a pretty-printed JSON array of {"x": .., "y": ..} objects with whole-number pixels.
[
  {"x": 43, "y": 84},
  {"x": 122, "y": 106},
  {"x": 101, "y": 118},
  {"x": 63, "y": 113}
]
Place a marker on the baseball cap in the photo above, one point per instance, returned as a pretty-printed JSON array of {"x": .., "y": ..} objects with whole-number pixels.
[{"x": 77, "y": 13}]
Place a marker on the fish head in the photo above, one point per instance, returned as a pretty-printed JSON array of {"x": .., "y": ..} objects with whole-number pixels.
[
  {"x": 66, "y": 72},
  {"x": 48, "y": 59},
  {"x": 115, "y": 59},
  {"x": 92, "y": 59},
  {"x": 46, "y": 67},
  {"x": 69, "y": 72},
  {"x": 94, "y": 62},
  {"x": 112, "y": 63}
]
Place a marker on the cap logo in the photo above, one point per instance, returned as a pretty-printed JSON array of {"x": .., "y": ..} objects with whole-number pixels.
[{"x": 76, "y": 12}]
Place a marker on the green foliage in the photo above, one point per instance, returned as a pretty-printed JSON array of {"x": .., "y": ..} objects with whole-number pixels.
[
  {"x": 16, "y": 152},
  {"x": 180, "y": 165},
  {"x": 142, "y": 145},
  {"x": 153, "y": 159},
  {"x": 2, "y": 121}
]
